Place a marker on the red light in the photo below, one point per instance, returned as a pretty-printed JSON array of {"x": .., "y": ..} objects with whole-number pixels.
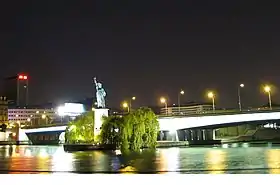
[{"x": 22, "y": 77}]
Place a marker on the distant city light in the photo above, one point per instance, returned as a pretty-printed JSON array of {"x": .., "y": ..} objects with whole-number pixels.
[
  {"x": 162, "y": 100},
  {"x": 210, "y": 94},
  {"x": 267, "y": 88},
  {"x": 60, "y": 111},
  {"x": 125, "y": 105},
  {"x": 22, "y": 77},
  {"x": 70, "y": 109}
]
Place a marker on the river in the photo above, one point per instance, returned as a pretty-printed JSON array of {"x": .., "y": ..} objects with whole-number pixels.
[{"x": 206, "y": 160}]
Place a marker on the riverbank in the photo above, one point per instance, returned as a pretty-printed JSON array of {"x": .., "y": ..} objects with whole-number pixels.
[
  {"x": 88, "y": 147},
  {"x": 14, "y": 143},
  {"x": 253, "y": 142}
]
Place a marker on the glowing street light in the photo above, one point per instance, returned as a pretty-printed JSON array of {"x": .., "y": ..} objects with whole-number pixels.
[
  {"x": 163, "y": 101},
  {"x": 267, "y": 89},
  {"x": 125, "y": 105},
  {"x": 239, "y": 96},
  {"x": 179, "y": 103},
  {"x": 130, "y": 104},
  {"x": 44, "y": 116},
  {"x": 211, "y": 95}
]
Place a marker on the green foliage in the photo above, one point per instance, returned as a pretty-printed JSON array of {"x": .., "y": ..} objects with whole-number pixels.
[
  {"x": 109, "y": 132},
  {"x": 81, "y": 130},
  {"x": 136, "y": 130}
]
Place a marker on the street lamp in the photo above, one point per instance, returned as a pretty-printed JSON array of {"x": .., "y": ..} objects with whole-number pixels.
[
  {"x": 163, "y": 100},
  {"x": 125, "y": 105},
  {"x": 267, "y": 89},
  {"x": 239, "y": 96},
  {"x": 211, "y": 95},
  {"x": 44, "y": 117},
  {"x": 179, "y": 103},
  {"x": 130, "y": 104}
]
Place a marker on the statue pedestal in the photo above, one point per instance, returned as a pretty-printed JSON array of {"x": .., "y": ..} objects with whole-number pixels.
[{"x": 98, "y": 114}]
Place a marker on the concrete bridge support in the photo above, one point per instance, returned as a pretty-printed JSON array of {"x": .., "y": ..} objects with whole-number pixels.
[
  {"x": 193, "y": 135},
  {"x": 209, "y": 134}
]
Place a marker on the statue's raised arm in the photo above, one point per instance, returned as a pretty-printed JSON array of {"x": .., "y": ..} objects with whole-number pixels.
[{"x": 94, "y": 80}]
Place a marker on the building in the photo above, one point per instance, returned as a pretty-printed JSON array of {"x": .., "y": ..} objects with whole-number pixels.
[
  {"x": 187, "y": 109},
  {"x": 30, "y": 115},
  {"x": 3, "y": 110},
  {"x": 16, "y": 90}
]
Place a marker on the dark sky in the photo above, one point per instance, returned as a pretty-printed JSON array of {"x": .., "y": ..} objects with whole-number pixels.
[{"x": 143, "y": 48}]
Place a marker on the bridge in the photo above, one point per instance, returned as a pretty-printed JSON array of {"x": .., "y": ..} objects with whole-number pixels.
[{"x": 194, "y": 127}]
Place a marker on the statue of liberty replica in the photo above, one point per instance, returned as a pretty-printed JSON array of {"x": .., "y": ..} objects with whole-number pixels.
[
  {"x": 101, "y": 110},
  {"x": 100, "y": 94}
]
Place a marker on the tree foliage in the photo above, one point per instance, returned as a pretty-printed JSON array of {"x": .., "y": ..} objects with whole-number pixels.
[
  {"x": 109, "y": 131},
  {"x": 136, "y": 130},
  {"x": 81, "y": 130}
]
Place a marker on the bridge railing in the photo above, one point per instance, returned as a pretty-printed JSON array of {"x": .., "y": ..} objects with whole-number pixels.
[
  {"x": 220, "y": 112},
  {"x": 44, "y": 126}
]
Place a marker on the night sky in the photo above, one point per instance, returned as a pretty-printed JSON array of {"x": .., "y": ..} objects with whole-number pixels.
[{"x": 142, "y": 48}]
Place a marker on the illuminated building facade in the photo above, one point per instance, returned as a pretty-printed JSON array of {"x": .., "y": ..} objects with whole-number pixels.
[
  {"x": 17, "y": 115},
  {"x": 3, "y": 110}
]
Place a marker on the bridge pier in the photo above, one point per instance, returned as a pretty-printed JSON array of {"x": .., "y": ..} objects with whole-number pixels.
[
  {"x": 200, "y": 135},
  {"x": 188, "y": 135},
  {"x": 209, "y": 134},
  {"x": 193, "y": 135}
]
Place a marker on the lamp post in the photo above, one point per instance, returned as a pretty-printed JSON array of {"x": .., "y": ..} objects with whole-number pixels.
[
  {"x": 212, "y": 96},
  {"x": 163, "y": 100},
  {"x": 179, "y": 103},
  {"x": 130, "y": 104},
  {"x": 267, "y": 89},
  {"x": 125, "y": 105},
  {"x": 239, "y": 96}
]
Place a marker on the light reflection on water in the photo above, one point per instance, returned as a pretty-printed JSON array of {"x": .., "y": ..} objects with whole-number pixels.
[
  {"x": 218, "y": 160},
  {"x": 273, "y": 161}
]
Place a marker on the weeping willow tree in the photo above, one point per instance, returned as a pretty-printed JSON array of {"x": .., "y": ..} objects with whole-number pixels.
[
  {"x": 81, "y": 130},
  {"x": 110, "y": 130},
  {"x": 132, "y": 132}
]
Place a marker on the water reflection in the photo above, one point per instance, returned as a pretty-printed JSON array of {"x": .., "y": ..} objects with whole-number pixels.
[
  {"x": 143, "y": 162},
  {"x": 273, "y": 161},
  {"x": 168, "y": 160},
  {"x": 62, "y": 161},
  {"x": 18, "y": 163},
  {"x": 216, "y": 161},
  {"x": 47, "y": 159}
]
